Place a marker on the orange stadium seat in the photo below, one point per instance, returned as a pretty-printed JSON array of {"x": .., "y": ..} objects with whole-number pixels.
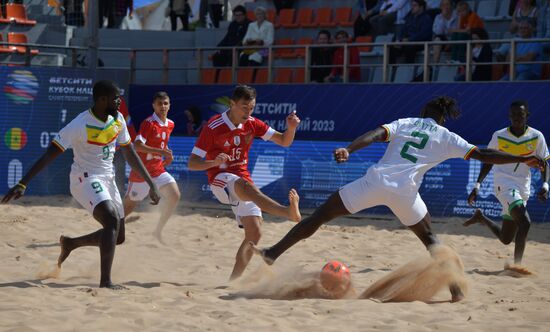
[
  {"x": 251, "y": 15},
  {"x": 4, "y": 48},
  {"x": 299, "y": 75},
  {"x": 286, "y": 18},
  {"x": 301, "y": 51},
  {"x": 261, "y": 76},
  {"x": 283, "y": 75},
  {"x": 19, "y": 38},
  {"x": 343, "y": 17},
  {"x": 208, "y": 76},
  {"x": 16, "y": 13},
  {"x": 498, "y": 71},
  {"x": 304, "y": 17},
  {"x": 3, "y": 19},
  {"x": 323, "y": 17},
  {"x": 225, "y": 77},
  {"x": 287, "y": 53},
  {"x": 244, "y": 75},
  {"x": 364, "y": 39}
]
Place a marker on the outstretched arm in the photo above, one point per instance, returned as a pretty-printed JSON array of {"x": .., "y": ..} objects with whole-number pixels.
[
  {"x": 377, "y": 135},
  {"x": 18, "y": 190},
  {"x": 490, "y": 156},
  {"x": 285, "y": 139},
  {"x": 135, "y": 163}
]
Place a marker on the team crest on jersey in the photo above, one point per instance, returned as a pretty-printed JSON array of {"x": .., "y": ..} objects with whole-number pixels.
[
  {"x": 163, "y": 135},
  {"x": 237, "y": 140}
]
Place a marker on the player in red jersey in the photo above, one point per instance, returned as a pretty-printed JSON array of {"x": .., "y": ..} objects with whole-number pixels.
[
  {"x": 151, "y": 144},
  {"x": 222, "y": 150}
]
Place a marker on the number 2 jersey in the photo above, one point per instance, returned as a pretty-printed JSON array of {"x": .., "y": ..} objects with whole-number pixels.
[
  {"x": 154, "y": 133},
  {"x": 93, "y": 142},
  {"x": 222, "y": 136},
  {"x": 415, "y": 146},
  {"x": 517, "y": 176}
]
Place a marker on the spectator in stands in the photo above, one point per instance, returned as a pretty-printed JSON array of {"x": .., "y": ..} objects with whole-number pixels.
[
  {"x": 391, "y": 12},
  {"x": 481, "y": 53},
  {"x": 215, "y": 9},
  {"x": 73, "y": 12},
  {"x": 433, "y": 8},
  {"x": 418, "y": 27},
  {"x": 543, "y": 23},
  {"x": 117, "y": 11},
  {"x": 444, "y": 23},
  {"x": 367, "y": 9},
  {"x": 282, "y": 4},
  {"x": 234, "y": 37},
  {"x": 321, "y": 56},
  {"x": 526, "y": 10},
  {"x": 194, "y": 121},
  {"x": 525, "y": 52},
  {"x": 259, "y": 33},
  {"x": 179, "y": 9},
  {"x": 337, "y": 72},
  {"x": 468, "y": 20}
]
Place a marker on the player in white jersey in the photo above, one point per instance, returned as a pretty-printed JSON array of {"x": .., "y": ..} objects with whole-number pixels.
[
  {"x": 415, "y": 146},
  {"x": 93, "y": 135},
  {"x": 512, "y": 183}
]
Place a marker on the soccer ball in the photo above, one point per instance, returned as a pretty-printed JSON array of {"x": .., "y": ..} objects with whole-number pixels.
[{"x": 335, "y": 277}]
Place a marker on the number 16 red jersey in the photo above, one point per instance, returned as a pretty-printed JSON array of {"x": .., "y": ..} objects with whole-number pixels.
[{"x": 222, "y": 136}]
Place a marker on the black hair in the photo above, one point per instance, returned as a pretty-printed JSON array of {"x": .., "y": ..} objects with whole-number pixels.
[
  {"x": 243, "y": 92},
  {"x": 239, "y": 8},
  {"x": 342, "y": 32},
  {"x": 444, "y": 105},
  {"x": 520, "y": 104},
  {"x": 482, "y": 33},
  {"x": 196, "y": 113},
  {"x": 324, "y": 32},
  {"x": 104, "y": 88},
  {"x": 421, "y": 3},
  {"x": 160, "y": 95}
]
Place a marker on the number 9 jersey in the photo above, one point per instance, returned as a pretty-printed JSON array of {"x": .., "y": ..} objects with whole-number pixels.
[
  {"x": 93, "y": 142},
  {"x": 222, "y": 136}
]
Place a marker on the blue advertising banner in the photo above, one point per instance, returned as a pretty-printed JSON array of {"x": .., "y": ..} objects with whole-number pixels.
[
  {"x": 34, "y": 104},
  {"x": 308, "y": 167},
  {"x": 343, "y": 112}
]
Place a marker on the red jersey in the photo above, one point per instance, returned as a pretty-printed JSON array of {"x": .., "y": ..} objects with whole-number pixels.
[
  {"x": 221, "y": 135},
  {"x": 154, "y": 133}
]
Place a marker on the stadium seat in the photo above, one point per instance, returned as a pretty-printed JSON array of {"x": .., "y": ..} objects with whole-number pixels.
[
  {"x": 301, "y": 51},
  {"x": 3, "y": 19},
  {"x": 283, "y": 75},
  {"x": 364, "y": 39},
  {"x": 298, "y": 75},
  {"x": 404, "y": 74},
  {"x": 208, "y": 76},
  {"x": 4, "y": 48},
  {"x": 16, "y": 13},
  {"x": 503, "y": 9},
  {"x": 251, "y": 16},
  {"x": 304, "y": 17},
  {"x": 287, "y": 53},
  {"x": 498, "y": 71},
  {"x": 261, "y": 76},
  {"x": 19, "y": 38},
  {"x": 343, "y": 17},
  {"x": 377, "y": 75},
  {"x": 323, "y": 18},
  {"x": 225, "y": 77},
  {"x": 286, "y": 18},
  {"x": 446, "y": 74},
  {"x": 245, "y": 75},
  {"x": 487, "y": 8}
]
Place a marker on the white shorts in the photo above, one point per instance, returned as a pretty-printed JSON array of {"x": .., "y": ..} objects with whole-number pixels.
[
  {"x": 510, "y": 198},
  {"x": 137, "y": 191},
  {"x": 90, "y": 190},
  {"x": 223, "y": 187},
  {"x": 359, "y": 195}
]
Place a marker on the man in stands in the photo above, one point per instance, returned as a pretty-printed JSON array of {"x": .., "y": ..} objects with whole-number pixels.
[{"x": 233, "y": 37}]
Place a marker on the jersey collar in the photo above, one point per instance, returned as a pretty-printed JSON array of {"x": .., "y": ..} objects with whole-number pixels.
[
  {"x": 157, "y": 119},
  {"x": 524, "y": 133},
  {"x": 229, "y": 123}
]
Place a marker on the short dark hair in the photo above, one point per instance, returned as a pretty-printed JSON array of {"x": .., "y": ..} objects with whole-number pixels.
[
  {"x": 245, "y": 92},
  {"x": 239, "y": 8},
  {"x": 342, "y": 32},
  {"x": 444, "y": 105},
  {"x": 521, "y": 104},
  {"x": 482, "y": 33},
  {"x": 324, "y": 32},
  {"x": 421, "y": 3},
  {"x": 104, "y": 88},
  {"x": 160, "y": 95}
]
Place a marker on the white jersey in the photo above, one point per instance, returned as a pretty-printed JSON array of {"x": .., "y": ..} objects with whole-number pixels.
[
  {"x": 93, "y": 142},
  {"x": 517, "y": 176},
  {"x": 416, "y": 145}
]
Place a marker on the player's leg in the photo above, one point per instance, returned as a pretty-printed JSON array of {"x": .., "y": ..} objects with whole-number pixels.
[
  {"x": 135, "y": 193},
  {"x": 523, "y": 223},
  {"x": 249, "y": 192},
  {"x": 252, "y": 233},
  {"x": 170, "y": 198}
]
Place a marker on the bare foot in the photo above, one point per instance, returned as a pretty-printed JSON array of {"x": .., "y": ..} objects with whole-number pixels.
[
  {"x": 65, "y": 250},
  {"x": 475, "y": 219},
  {"x": 456, "y": 293},
  {"x": 294, "y": 207},
  {"x": 110, "y": 285},
  {"x": 262, "y": 253}
]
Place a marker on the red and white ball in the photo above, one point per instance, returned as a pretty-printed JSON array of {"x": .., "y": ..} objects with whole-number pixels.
[{"x": 335, "y": 277}]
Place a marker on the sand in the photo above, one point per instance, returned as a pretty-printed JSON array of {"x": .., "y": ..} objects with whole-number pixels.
[{"x": 184, "y": 286}]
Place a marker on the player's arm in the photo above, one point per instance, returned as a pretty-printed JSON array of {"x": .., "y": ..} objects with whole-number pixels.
[
  {"x": 490, "y": 156},
  {"x": 197, "y": 163},
  {"x": 139, "y": 146},
  {"x": 135, "y": 163},
  {"x": 379, "y": 134},
  {"x": 285, "y": 139},
  {"x": 545, "y": 176},
  {"x": 485, "y": 169},
  {"x": 18, "y": 190}
]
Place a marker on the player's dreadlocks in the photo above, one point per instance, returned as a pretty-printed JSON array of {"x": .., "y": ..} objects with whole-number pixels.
[{"x": 447, "y": 106}]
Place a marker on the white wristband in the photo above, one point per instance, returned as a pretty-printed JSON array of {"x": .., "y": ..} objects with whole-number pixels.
[
  {"x": 477, "y": 185},
  {"x": 545, "y": 186}
]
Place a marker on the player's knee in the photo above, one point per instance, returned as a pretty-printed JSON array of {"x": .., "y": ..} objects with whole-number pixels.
[{"x": 253, "y": 234}]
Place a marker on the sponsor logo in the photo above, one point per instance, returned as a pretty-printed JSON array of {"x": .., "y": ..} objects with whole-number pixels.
[{"x": 21, "y": 87}]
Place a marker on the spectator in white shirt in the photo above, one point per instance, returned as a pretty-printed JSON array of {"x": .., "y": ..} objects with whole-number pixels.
[
  {"x": 444, "y": 22},
  {"x": 259, "y": 33}
]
